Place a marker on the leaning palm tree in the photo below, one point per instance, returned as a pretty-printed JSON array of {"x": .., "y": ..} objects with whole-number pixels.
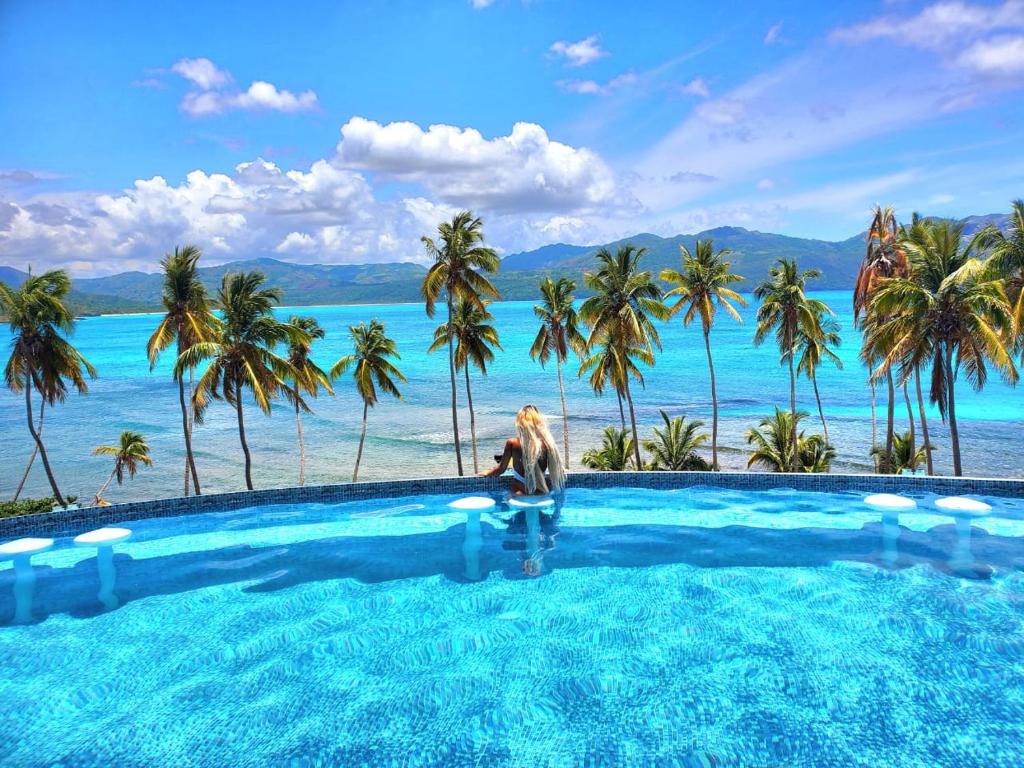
[
  {"x": 41, "y": 355},
  {"x": 815, "y": 345},
  {"x": 674, "y": 448},
  {"x": 241, "y": 355},
  {"x": 625, "y": 304},
  {"x": 372, "y": 369},
  {"x": 780, "y": 448},
  {"x": 614, "y": 454},
  {"x": 700, "y": 289},
  {"x": 884, "y": 258},
  {"x": 459, "y": 259},
  {"x": 188, "y": 320},
  {"x": 308, "y": 378},
  {"x": 951, "y": 307},
  {"x": 475, "y": 340},
  {"x": 131, "y": 451},
  {"x": 787, "y": 310},
  {"x": 614, "y": 363},
  {"x": 558, "y": 333}
]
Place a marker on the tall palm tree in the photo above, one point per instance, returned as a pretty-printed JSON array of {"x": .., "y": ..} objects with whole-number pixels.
[
  {"x": 308, "y": 378},
  {"x": 779, "y": 448},
  {"x": 787, "y": 310},
  {"x": 187, "y": 321},
  {"x": 625, "y": 304},
  {"x": 459, "y": 259},
  {"x": 884, "y": 258},
  {"x": 475, "y": 340},
  {"x": 674, "y": 448},
  {"x": 241, "y": 355},
  {"x": 41, "y": 355},
  {"x": 1006, "y": 252},
  {"x": 614, "y": 453},
  {"x": 559, "y": 333},
  {"x": 815, "y": 345},
  {"x": 950, "y": 307},
  {"x": 372, "y": 369},
  {"x": 700, "y": 289},
  {"x": 131, "y": 451}
]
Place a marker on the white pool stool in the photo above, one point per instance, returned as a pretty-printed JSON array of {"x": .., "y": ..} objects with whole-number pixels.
[
  {"x": 530, "y": 501},
  {"x": 890, "y": 501},
  {"x": 469, "y": 503},
  {"x": 21, "y": 551},
  {"x": 963, "y": 505},
  {"x": 104, "y": 540}
]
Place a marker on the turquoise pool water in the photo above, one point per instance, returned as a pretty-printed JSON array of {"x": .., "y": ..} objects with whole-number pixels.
[{"x": 698, "y": 627}]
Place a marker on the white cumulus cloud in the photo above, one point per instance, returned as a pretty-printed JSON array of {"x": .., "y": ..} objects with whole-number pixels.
[{"x": 215, "y": 92}]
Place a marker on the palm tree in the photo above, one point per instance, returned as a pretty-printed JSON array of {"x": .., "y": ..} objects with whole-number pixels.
[
  {"x": 623, "y": 308},
  {"x": 241, "y": 354},
  {"x": 41, "y": 355},
  {"x": 701, "y": 288},
  {"x": 1006, "y": 251},
  {"x": 372, "y": 370},
  {"x": 786, "y": 310},
  {"x": 883, "y": 259},
  {"x": 456, "y": 274},
  {"x": 614, "y": 453},
  {"x": 774, "y": 439},
  {"x": 951, "y": 308},
  {"x": 815, "y": 345},
  {"x": 615, "y": 363},
  {"x": 308, "y": 379},
  {"x": 474, "y": 339},
  {"x": 905, "y": 454},
  {"x": 558, "y": 333},
  {"x": 674, "y": 448},
  {"x": 131, "y": 451},
  {"x": 188, "y": 320}
]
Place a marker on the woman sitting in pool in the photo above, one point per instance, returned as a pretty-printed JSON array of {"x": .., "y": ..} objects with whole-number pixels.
[{"x": 530, "y": 454}]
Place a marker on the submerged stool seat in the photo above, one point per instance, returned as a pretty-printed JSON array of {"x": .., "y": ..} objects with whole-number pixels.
[
  {"x": 530, "y": 501},
  {"x": 963, "y": 504},
  {"x": 472, "y": 502},
  {"x": 889, "y": 501},
  {"x": 24, "y": 547},
  {"x": 102, "y": 537}
]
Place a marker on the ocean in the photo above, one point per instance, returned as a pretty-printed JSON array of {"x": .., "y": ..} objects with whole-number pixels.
[{"x": 412, "y": 437}]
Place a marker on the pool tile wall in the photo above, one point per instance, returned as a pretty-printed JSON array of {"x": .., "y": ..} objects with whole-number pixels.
[{"x": 73, "y": 522}]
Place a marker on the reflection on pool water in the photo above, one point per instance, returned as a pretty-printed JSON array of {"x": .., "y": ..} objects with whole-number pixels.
[{"x": 698, "y": 627}]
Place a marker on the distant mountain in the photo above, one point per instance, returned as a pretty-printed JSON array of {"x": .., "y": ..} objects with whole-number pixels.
[{"x": 308, "y": 284}]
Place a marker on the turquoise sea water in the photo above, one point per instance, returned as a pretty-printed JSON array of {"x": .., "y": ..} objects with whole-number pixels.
[
  {"x": 697, "y": 628},
  {"x": 413, "y": 437}
]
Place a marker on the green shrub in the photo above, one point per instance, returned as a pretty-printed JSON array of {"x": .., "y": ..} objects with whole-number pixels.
[{"x": 29, "y": 506}]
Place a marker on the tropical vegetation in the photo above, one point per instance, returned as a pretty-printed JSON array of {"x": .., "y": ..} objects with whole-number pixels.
[
  {"x": 674, "y": 447},
  {"x": 306, "y": 377},
  {"x": 778, "y": 446},
  {"x": 615, "y": 453},
  {"x": 131, "y": 451}
]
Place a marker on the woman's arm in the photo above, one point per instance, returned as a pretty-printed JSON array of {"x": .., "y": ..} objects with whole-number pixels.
[{"x": 511, "y": 446}]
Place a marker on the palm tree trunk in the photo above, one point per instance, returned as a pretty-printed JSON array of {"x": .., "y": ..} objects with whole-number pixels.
[
  {"x": 954, "y": 432},
  {"x": 241, "y": 435},
  {"x": 874, "y": 417},
  {"x": 714, "y": 401},
  {"x": 632, "y": 421},
  {"x": 890, "y": 426},
  {"x": 35, "y": 450},
  {"x": 924, "y": 422},
  {"x": 565, "y": 412},
  {"x": 910, "y": 420},
  {"x": 187, "y": 430},
  {"x": 455, "y": 405},
  {"x": 39, "y": 441},
  {"x": 472, "y": 421},
  {"x": 302, "y": 444},
  {"x": 821, "y": 412},
  {"x": 99, "y": 493},
  {"x": 362, "y": 438},
  {"x": 794, "y": 448},
  {"x": 622, "y": 413}
]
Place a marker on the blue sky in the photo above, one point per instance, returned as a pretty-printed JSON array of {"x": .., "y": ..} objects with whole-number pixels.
[{"x": 341, "y": 132}]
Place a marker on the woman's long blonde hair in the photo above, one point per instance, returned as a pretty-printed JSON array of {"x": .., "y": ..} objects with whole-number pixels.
[{"x": 537, "y": 443}]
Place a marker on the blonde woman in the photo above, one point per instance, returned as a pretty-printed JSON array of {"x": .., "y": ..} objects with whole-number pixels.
[{"x": 530, "y": 454}]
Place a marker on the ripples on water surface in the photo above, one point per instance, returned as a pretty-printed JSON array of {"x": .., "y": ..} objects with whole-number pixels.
[{"x": 702, "y": 627}]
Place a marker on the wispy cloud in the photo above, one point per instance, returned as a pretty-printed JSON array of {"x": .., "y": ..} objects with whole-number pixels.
[
  {"x": 580, "y": 53},
  {"x": 772, "y": 35},
  {"x": 696, "y": 87},
  {"x": 216, "y": 93},
  {"x": 592, "y": 87}
]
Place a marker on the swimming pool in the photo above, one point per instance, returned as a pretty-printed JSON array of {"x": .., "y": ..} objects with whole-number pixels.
[{"x": 692, "y": 627}]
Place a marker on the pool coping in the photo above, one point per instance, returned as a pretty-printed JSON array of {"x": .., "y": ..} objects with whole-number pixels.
[{"x": 72, "y": 522}]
